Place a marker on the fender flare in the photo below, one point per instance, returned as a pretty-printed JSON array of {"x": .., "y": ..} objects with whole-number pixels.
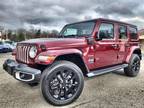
[
  {"x": 131, "y": 51},
  {"x": 56, "y": 53}
]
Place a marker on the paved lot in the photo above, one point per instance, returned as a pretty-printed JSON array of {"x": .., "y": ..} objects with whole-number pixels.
[{"x": 113, "y": 90}]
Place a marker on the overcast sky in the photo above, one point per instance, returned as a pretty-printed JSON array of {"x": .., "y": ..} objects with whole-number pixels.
[{"x": 54, "y": 14}]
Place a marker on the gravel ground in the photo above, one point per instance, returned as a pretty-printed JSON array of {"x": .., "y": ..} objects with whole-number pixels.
[{"x": 113, "y": 90}]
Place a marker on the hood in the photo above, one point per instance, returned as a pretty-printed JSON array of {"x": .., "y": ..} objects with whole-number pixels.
[{"x": 55, "y": 43}]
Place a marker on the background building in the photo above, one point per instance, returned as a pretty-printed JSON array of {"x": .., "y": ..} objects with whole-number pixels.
[{"x": 141, "y": 33}]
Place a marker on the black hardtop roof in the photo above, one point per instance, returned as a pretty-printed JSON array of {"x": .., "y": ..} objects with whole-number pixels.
[{"x": 103, "y": 19}]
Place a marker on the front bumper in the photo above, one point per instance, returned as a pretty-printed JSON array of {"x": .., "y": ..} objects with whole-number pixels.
[{"x": 21, "y": 71}]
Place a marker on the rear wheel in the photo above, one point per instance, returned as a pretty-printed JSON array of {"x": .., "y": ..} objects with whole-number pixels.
[
  {"x": 133, "y": 67},
  {"x": 62, "y": 83}
]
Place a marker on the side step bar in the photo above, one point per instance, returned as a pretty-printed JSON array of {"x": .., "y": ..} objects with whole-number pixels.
[{"x": 106, "y": 70}]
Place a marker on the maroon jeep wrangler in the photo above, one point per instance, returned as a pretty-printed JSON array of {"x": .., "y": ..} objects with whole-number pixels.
[{"x": 87, "y": 48}]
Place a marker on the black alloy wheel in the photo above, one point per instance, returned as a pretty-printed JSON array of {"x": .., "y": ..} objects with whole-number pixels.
[
  {"x": 133, "y": 67},
  {"x": 62, "y": 83}
]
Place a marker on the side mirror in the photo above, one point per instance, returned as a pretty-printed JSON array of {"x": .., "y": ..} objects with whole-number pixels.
[{"x": 98, "y": 38}]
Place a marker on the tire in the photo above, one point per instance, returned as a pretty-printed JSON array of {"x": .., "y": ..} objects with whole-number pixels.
[
  {"x": 62, "y": 83},
  {"x": 133, "y": 67}
]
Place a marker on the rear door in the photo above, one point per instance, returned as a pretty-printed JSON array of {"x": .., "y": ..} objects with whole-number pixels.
[
  {"x": 106, "y": 48},
  {"x": 122, "y": 42}
]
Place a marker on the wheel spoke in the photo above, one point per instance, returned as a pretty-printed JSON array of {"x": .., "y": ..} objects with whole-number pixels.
[
  {"x": 54, "y": 87},
  {"x": 68, "y": 76},
  {"x": 136, "y": 65},
  {"x": 61, "y": 92},
  {"x": 65, "y": 92},
  {"x": 59, "y": 77}
]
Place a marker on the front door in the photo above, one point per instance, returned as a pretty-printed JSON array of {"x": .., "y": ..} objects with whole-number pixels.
[{"x": 106, "y": 47}]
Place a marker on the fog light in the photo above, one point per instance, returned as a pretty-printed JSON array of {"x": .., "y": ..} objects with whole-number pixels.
[{"x": 24, "y": 77}]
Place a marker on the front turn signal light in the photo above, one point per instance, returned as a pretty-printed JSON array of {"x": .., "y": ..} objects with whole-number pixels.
[{"x": 45, "y": 58}]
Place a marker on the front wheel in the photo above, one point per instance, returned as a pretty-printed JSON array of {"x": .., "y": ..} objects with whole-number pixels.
[
  {"x": 133, "y": 67},
  {"x": 62, "y": 83}
]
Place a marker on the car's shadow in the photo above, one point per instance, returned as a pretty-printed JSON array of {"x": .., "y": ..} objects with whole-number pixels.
[{"x": 119, "y": 72}]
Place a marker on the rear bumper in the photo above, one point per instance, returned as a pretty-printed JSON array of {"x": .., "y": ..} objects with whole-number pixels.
[{"x": 21, "y": 71}]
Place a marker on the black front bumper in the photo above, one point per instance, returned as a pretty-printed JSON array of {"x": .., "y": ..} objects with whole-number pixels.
[{"x": 21, "y": 71}]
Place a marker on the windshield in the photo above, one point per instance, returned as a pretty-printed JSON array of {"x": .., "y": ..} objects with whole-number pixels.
[{"x": 78, "y": 29}]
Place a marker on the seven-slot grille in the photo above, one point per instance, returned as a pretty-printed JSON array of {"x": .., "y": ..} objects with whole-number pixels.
[{"x": 22, "y": 53}]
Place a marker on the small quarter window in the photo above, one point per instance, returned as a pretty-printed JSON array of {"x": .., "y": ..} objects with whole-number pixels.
[
  {"x": 106, "y": 31},
  {"x": 133, "y": 33},
  {"x": 122, "y": 32}
]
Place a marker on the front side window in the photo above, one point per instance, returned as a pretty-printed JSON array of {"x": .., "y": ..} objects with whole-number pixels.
[
  {"x": 78, "y": 29},
  {"x": 133, "y": 33},
  {"x": 122, "y": 32},
  {"x": 106, "y": 31}
]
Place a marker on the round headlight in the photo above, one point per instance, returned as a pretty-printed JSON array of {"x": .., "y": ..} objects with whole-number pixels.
[{"x": 33, "y": 52}]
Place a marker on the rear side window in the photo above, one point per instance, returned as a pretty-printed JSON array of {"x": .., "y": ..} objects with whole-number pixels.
[
  {"x": 106, "y": 31},
  {"x": 122, "y": 32},
  {"x": 133, "y": 32}
]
